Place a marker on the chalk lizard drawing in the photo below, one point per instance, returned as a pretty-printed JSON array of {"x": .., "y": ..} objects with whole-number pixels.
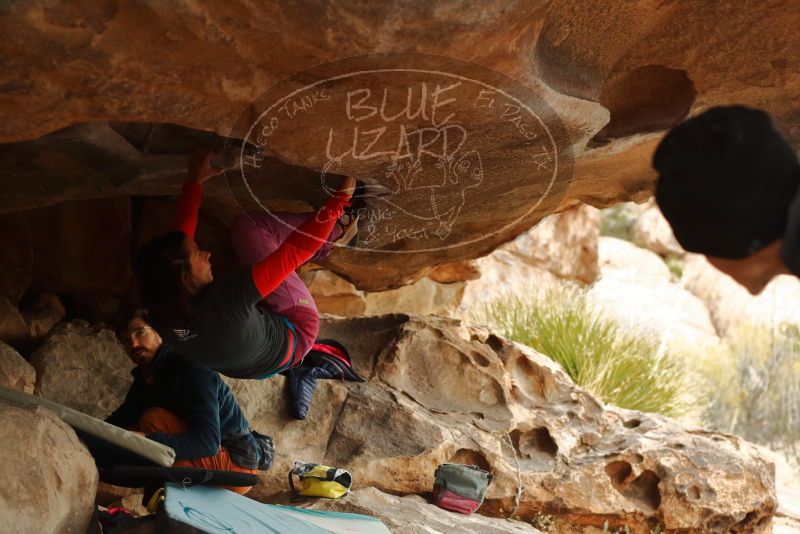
[{"x": 447, "y": 179}]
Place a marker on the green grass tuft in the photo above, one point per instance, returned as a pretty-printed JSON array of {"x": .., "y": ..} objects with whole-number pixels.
[{"x": 621, "y": 366}]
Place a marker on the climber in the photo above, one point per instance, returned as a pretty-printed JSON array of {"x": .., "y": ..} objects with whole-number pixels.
[
  {"x": 262, "y": 320},
  {"x": 728, "y": 185},
  {"x": 184, "y": 406}
]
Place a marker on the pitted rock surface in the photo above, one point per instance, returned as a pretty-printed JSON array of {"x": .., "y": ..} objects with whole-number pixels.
[{"x": 439, "y": 390}]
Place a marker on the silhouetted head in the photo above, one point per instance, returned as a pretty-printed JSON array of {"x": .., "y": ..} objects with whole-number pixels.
[{"x": 726, "y": 181}]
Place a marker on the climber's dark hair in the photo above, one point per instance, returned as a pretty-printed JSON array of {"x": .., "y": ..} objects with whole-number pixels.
[{"x": 159, "y": 267}]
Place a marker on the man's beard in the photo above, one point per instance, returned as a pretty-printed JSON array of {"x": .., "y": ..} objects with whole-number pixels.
[{"x": 142, "y": 357}]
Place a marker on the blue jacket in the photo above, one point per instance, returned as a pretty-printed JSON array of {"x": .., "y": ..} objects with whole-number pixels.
[{"x": 194, "y": 393}]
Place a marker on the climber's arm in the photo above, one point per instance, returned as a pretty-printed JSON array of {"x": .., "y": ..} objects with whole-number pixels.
[{"x": 200, "y": 170}]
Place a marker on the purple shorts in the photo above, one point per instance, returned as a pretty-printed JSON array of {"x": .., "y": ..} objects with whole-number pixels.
[{"x": 257, "y": 235}]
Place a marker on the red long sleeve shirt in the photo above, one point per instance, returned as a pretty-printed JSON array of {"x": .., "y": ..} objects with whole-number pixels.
[
  {"x": 188, "y": 206},
  {"x": 298, "y": 248}
]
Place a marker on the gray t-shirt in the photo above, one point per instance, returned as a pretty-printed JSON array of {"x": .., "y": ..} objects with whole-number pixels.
[{"x": 233, "y": 335}]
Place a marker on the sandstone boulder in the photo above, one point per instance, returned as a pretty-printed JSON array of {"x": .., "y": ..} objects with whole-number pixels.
[
  {"x": 49, "y": 478},
  {"x": 563, "y": 247},
  {"x": 333, "y": 294},
  {"x": 664, "y": 310},
  {"x": 503, "y": 273},
  {"x": 109, "y": 495},
  {"x": 15, "y": 372},
  {"x": 422, "y": 297},
  {"x": 653, "y": 232},
  {"x": 13, "y": 329},
  {"x": 439, "y": 390},
  {"x": 133, "y": 502},
  {"x": 460, "y": 271},
  {"x": 564, "y": 244},
  {"x": 784, "y": 525},
  {"x": 27, "y": 327},
  {"x": 634, "y": 262},
  {"x": 41, "y": 315},
  {"x": 82, "y": 367},
  {"x": 732, "y": 307},
  {"x": 482, "y": 400},
  {"x": 636, "y": 288}
]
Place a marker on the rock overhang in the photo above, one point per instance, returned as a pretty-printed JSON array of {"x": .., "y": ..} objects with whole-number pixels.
[{"x": 109, "y": 101}]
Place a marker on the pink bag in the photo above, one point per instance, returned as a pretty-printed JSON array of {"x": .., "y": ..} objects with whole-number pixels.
[{"x": 460, "y": 488}]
